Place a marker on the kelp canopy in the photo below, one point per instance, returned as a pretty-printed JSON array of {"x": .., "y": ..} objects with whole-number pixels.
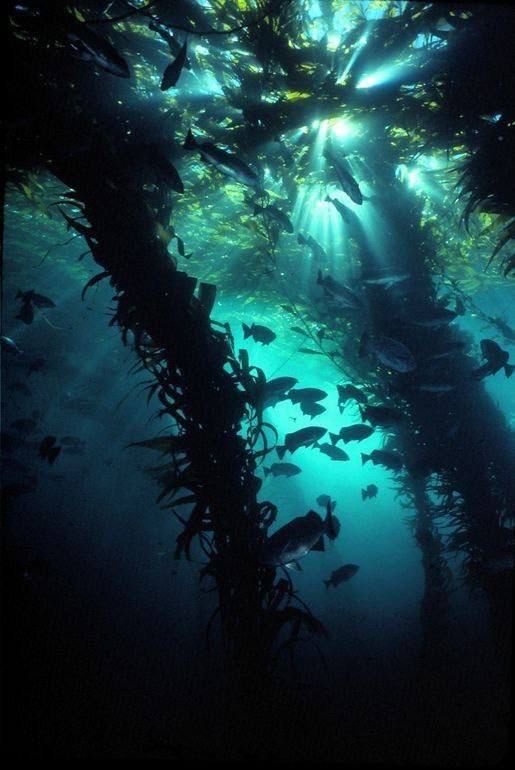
[{"x": 102, "y": 100}]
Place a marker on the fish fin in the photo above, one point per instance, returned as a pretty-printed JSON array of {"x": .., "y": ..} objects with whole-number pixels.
[
  {"x": 319, "y": 545},
  {"x": 294, "y": 565},
  {"x": 246, "y": 331},
  {"x": 364, "y": 458},
  {"x": 335, "y": 437},
  {"x": 281, "y": 451},
  {"x": 190, "y": 143},
  {"x": 509, "y": 369},
  {"x": 327, "y": 583}
]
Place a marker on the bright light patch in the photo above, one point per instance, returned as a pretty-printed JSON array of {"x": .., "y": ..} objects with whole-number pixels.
[
  {"x": 333, "y": 41},
  {"x": 341, "y": 128},
  {"x": 375, "y": 79},
  {"x": 315, "y": 124},
  {"x": 413, "y": 177}
]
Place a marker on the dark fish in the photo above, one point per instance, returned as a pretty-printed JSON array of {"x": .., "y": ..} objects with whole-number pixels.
[
  {"x": 496, "y": 359},
  {"x": 36, "y": 366},
  {"x": 223, "y": 161},
  {"x": 277, "y": 390},
  {"x": 324, "y": 500},
  {"x": 341, "y": 575},
  {"x": 20, "y": 387},
  {"x": 338, "y": 292},
  {"x": 390, "y": 460},
  {"x": 389, "y": 352},
  {"x": 48, "y": 450},
  {"x": 333, "y": 452},
  {"x": 282, "y": 469},
  {"x": 347, "y": 181},
  {"x": 311, "y": 408},
  {"x": 303, "y": 437},
  {"x": 299, "y": 395},
  {"x": 352, "y": 433},
  {"x": 341, "y": 208},
  {"x": 369, "y": 492},
  {"x": 163, "y": 167},
  {"x": 40, "y": 301},
  {"x": 26, "y": 313},
  {"x": 166, "y": 34},
  {"x": 276, "y": 214},
  {"x": 298, "y": 537},
  {"x": 10, "y": 346},
  {"x": 316, "y": 249},
  {"x": 259, "y": 333},
  {"x": 24, "y": 425},
  {"x": 383, "y": 416},
  {"x": 89, "y": 46},
  {"x": 439, "y": 316},
  {"x": 346, "y": 392},
  {"x": 173, "y": 72}
]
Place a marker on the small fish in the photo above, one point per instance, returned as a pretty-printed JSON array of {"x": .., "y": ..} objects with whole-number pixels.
[
  {"x": 173, "y": 72},
  {"x": 347, "y": 392},
  {"x": 259, "y": 333},
  {"x": 89, "y": 46},
  {"x": 384, "y": 416},
  {"x": 439, "y": 316},
  {"x": 324, "y": 500},
  {"x": 276, "y": 214},
  {"x": 352, "y": 433},
  {"x": 338, "y": 292},
  {"x": 347, "y": 181},
  {"x": 333, "y": 452},
  {"x": 223, "y": 161},
  {"x": 277, "y": 390},
  {"x": 369, "y": 492},
  {"x": 316, "y": 250},
  {"x": 387, "y": 281},
  {"x": 10, "y": 346},
  {"x": 282, "y": 469},
  {"x": 24, "y": 425},
  {"x": 20, "y": 387},
  {"x": 389, "y": 352},
  {"x": 48, "y": 450},
  {"x": 496, "y": 359},
  {"x": 303, "y": 437},
  {"x": 341, "y": 575},
  {"x": 311, "y": 408},
  {"x": 166, "y": 34},
  {"x": 299, "y": 395},
  {"x": 383, "y": 457},
  {"x": 298, "y": 537}
]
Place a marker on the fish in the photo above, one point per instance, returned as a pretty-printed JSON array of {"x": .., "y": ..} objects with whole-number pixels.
[
  {"x": 89, "y": 46},
  {"x": 384, "y": 416},
  {"x": 338, "y": 292},
  {"x": 316, "y": 250},
  {"x": 369, "y": 492},
  {"x": 259, "y": 333},
  {"x": 333, "y": 452},
  {"x": 26, "y": 313},
  {"x": 223, "y": 161},
  {"x": 282, "y": 469},
  {"x": 352, "y": 433},
  {"x": 303, "y": 437},
  {"x": 48, "y": 450},
  {"x": 24, "y": 425},
  {"x": 20, "y": 387},
  {"x": 346, "y": 180},
  {"x": 387, "y": 281},
  {"x": 296, "y": 539},
  {"x": 276, "y": 214},
  {"x": 173, "y": 72},
  {"x": 39, "y": 300},
  {"x": 342, "y": 209},
  {"x": 166, "y": 34},
  {"x": 496, "y": 359},
  {"x": 311, "y": 408},
  {"x": 277, "y": 390},
  {"x": 299, "y": 395},
  {"x": 390, "y": 460},
  {"x": 152, "y": 155},
  {"x": 10, "y": 346},
  {"x": 341, "y": 575},
  {"x": 347, "y": 392},
  {"x": 389, "y": 352},
  {"x": 440, "y": 316},
  {"x": 324, "y": 500}
]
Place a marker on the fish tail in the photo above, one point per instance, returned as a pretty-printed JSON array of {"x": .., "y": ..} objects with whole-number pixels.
[
  {"x": 334, "y": 438},
  {"x": 281, "y": 451},
  {"x": 364, "y": 494},
  {"x": 509, "y": 369},
  {"x": 247, "y": 331},
  {"x": 365, "y": 458},
  {"x": 327, "y": 583},
  {"x": 190, "y": 142}
]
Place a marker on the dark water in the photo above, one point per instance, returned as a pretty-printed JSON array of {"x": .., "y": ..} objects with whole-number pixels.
[{"x": 106, "y": 653}]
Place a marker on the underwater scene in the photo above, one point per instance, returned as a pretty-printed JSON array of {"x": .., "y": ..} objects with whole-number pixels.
[{"x": 258, "y": 392}]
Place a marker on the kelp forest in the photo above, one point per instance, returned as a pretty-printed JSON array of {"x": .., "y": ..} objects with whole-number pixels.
[{"x": 258, "y": 339}]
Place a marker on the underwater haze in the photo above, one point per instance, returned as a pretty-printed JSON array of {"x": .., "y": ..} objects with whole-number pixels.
[{"x": 258, "y": 403}]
